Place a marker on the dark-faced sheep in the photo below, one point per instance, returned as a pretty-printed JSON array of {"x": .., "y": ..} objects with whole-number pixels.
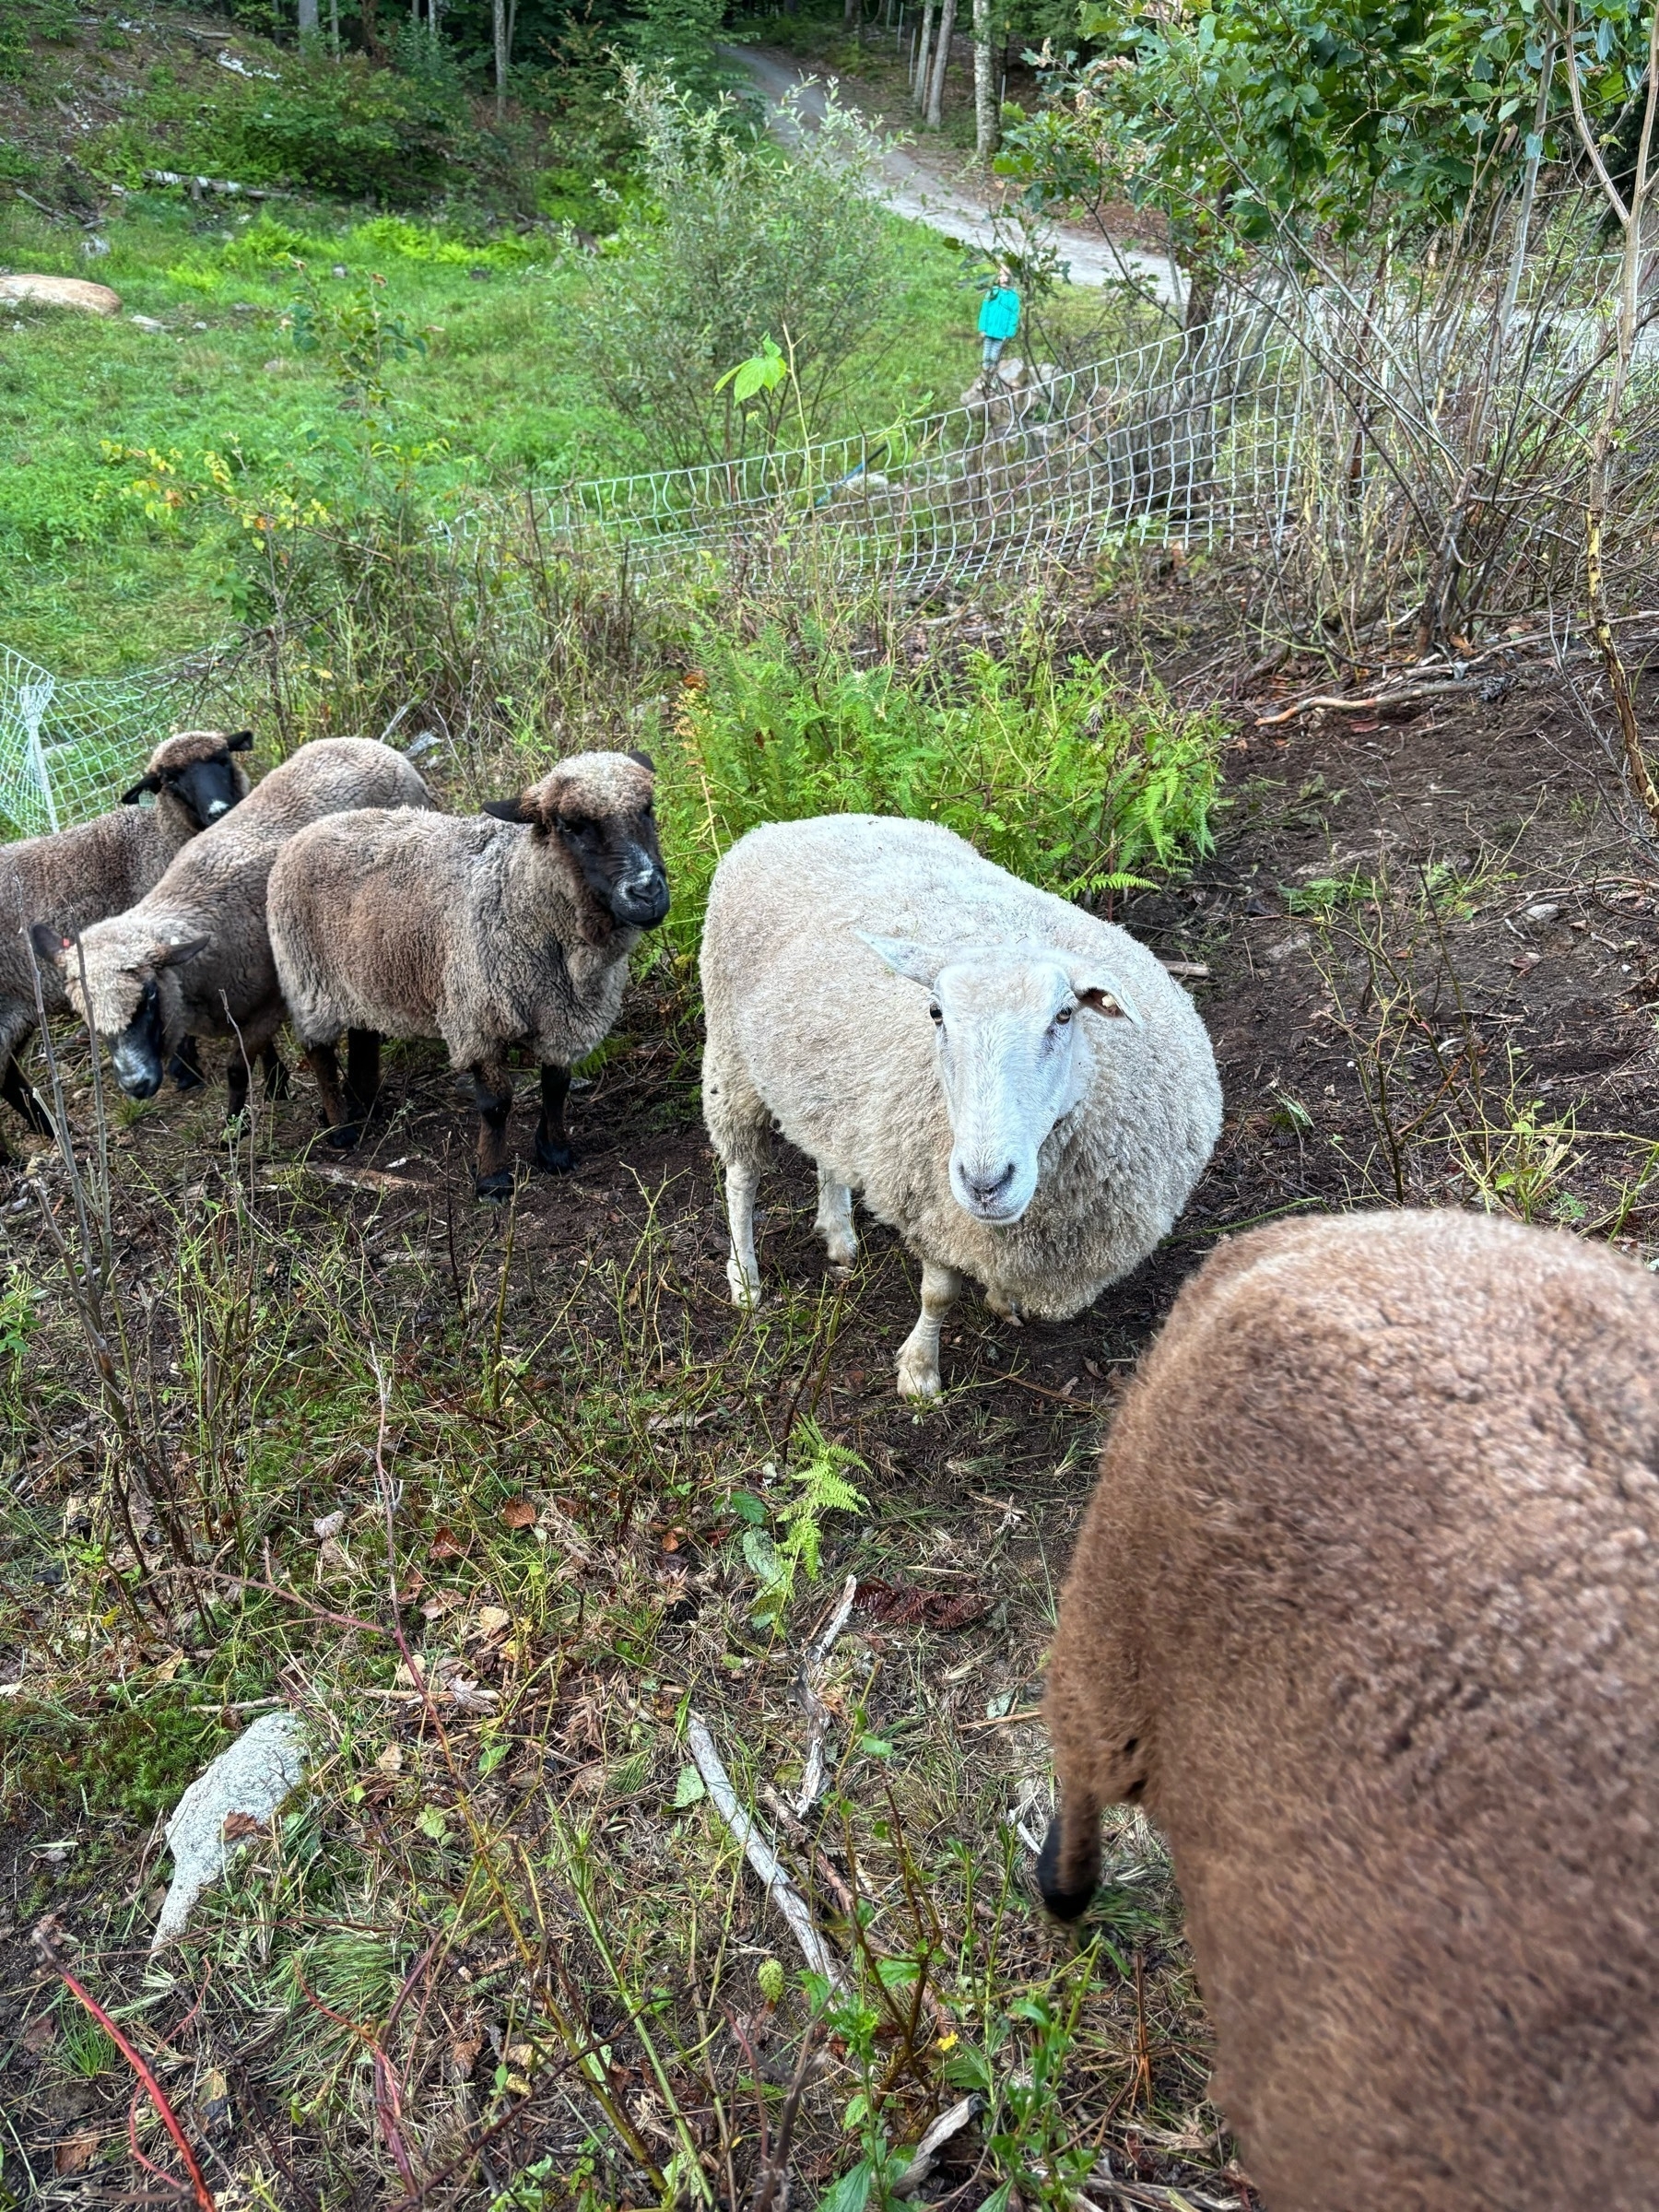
[
  {"x": 513, "y": 928},
  {"x": 79, "y": 875},
  {"x": 1022, "y": 1092},
  {"x": 193, "y": 955},
  {"x": 1365, "y": 1613}
]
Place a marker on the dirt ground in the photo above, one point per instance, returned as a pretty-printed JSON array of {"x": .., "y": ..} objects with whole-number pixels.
[{"x": 1428, "y": 959}]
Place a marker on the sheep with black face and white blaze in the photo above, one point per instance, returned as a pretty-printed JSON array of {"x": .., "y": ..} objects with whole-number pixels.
[
  {"x": 194, "y": 956},
  {"x": 79, "y": 875},
  {"x": 512, "y": 927},
  {"x": 1022, "y": 1091}
]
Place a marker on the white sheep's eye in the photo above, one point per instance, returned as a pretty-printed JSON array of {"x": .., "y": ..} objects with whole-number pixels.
[
  {"x": 937, "y": 1014},
  {"x": 1064, "y": 1015}
]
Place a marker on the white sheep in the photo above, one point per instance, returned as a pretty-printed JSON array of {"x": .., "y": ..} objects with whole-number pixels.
[{"x": 1020, "y": 1090}]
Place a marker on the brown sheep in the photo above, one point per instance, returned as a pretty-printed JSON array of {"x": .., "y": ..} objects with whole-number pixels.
[
  {"x": 1365, "y": 1613},
  {"x": 79, "y": 875},
  {"x": 511, "y": 927}
]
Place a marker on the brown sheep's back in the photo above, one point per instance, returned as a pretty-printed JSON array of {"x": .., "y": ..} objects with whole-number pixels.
[{"x": 1371, "y": 1582}]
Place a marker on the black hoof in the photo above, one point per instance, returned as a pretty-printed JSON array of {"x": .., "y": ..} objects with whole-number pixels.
[
  {"x": 343, "y": 1138},
  {"x": 1064, "y": 1904},
  {"x": 185, "y": 1073},
  {"x": 494, "y": 1187},
  {"x": 554, "y": 1159}
]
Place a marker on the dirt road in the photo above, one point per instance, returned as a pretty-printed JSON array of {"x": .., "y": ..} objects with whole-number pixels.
[{"x": 913, "y": 190}]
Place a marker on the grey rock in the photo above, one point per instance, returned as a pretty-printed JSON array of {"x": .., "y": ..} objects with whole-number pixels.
[
  {"x": 1547, "y": 912},
  {"x": 253, "y": 1776}
]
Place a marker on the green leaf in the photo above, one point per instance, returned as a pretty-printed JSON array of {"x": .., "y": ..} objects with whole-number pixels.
[
  {"x": 750, "y": 1508},
  {"x": 431, "y": 1822},
  {"x": 689, "y": 1789},
  {"x": 761, "y": 1554},
  {"x": 851, "y": 2192}
]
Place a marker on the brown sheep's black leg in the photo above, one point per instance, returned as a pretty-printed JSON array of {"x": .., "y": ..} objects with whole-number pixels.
[
  {"x": 18, "y": 1095},
  {"x": 362, "y": 1071},
  {"x": 276, "y": 1073},
  {"x": 492, "y": 1094},
  {"x": 186, "y": 1067},
  {"x": 554, "y": 1152},
  {"x": 1068, "y": 1867},
  {"x": 236, "y": 1084},
  {"x": 341, "y": 1130}
]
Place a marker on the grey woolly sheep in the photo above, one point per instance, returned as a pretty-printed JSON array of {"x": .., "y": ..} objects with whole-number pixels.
[
  {"x": 76, "y": 877},
  {"x": 194, "y": 954},
  {"x": 1365, "y": 1613},
  {"x": 1021, "y": 1091},
  {"x": 487, "y": 933}
]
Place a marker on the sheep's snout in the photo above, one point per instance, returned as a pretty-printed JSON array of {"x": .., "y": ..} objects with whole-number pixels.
[
  {"x": 641, "y": 897},
  {"x": 139, "y": 1054},
  {"x": 990, "y": 1194}
]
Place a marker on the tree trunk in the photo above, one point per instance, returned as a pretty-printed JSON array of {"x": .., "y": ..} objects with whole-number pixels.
[
  {"x": 308, "y": 18},
  {"x": 852, "y": 16},
  {"x": 987, "y": 114},
  {"x": 935, "y": 92},
  {"x": 369, "y": 31},
  {"x": 497, "y": 24},
  {"x": 923, "y": 54}
]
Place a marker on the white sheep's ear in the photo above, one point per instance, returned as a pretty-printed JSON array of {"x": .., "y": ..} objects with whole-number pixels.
[
  {"x": 917, "y": 963},
  {"x": 1102, "y": 994}
]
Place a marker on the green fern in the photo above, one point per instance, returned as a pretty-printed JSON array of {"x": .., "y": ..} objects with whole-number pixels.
[{"x": 797, "y": 1547}]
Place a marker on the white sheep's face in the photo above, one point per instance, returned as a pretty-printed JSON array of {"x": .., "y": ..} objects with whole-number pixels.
[{"x": 1012, "y": 1056}]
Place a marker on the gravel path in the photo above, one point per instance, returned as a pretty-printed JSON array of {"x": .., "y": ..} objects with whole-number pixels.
[{"x": 914, "y": 191}]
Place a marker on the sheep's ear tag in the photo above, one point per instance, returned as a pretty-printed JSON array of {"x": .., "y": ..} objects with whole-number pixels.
[
  {"x": 917, "y": 963},
  {"x": 1100, "y": 994}
]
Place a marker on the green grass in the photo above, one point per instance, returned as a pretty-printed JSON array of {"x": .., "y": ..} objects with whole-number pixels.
[{"x": 499, "y": 397}]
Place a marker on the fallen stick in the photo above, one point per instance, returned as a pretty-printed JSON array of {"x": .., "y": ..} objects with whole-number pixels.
[
  {"x": 926, "y": 2152},
  {"x": 1346, "y": 702},
  {"x": 815, "y": 1773},
  {"x": 759, "y": 1854}
]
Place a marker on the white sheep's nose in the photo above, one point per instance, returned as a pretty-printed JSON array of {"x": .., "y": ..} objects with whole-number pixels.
[{"x": 986, "y": 1190}]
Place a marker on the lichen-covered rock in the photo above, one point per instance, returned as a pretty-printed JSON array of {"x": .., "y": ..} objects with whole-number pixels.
[
  {"x": 246, "y": 1784},
  {"x": 60, "y": 292}
]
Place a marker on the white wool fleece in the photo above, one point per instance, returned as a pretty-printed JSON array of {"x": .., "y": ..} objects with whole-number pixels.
[{"x": 810, "y": 1026}]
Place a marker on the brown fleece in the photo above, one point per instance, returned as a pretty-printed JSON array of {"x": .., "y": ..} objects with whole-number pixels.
[
  {"x": 82, "y": 874},
  {"x": 1365, "y": 1612}
]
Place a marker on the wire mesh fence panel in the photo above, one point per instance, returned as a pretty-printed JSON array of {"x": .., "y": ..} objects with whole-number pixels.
[
  {"x": 69, "y": 748},
  {"x": 1358, "y": 446}
]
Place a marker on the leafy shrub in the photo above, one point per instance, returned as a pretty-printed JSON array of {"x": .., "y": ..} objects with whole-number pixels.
[
  {"x": 1062, "y": 775},
  {"x": 744, "y": 245}
]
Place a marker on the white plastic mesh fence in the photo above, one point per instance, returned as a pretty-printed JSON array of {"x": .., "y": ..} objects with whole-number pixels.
[
  {"x": 67, "y": 750},
  {"x": 1338, "y": 433}
]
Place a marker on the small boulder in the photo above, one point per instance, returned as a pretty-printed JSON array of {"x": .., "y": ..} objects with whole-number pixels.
[
  {"x": 228, "y": 1800},
  {"x": 60, "y": 292}
]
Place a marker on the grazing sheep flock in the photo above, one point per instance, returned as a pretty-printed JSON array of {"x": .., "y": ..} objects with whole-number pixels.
[
  {"x": 193, "y": 953},
  {"x": 1365, "y": 1612}
]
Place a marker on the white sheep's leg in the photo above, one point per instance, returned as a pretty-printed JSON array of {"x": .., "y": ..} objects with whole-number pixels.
[
  {"x": 743, "y": 1270},
  {"x": 919, "y": 1354},
  {"x": 834, "y": 1222}
]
